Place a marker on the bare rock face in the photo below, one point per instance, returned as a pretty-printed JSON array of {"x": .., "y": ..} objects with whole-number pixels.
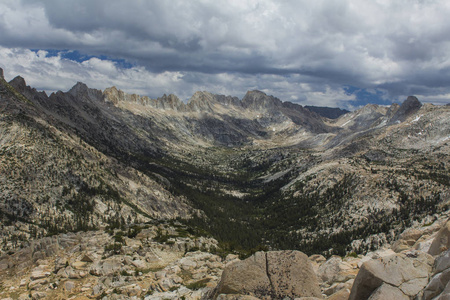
[
  {"x": 236, "y": 297},
  {"x": 257, "y": 100},
  {"x": 387, "y": 291},
  {"x": 407, "y": 239},
  {"x": 106, "y": 267},
  {"x": 246, "y": 277},
  {"x": 278, "y": 274},
  {"x": 406, "y": 272},
  {"x": 408, "y": 107},
  {"x": 439, "y": 285},
  {"x": 291, "y": 274},
  {"x": 442, "y": 240},
  {"x": 336, "y": 270},
  {"x": 1, "y": 74}
]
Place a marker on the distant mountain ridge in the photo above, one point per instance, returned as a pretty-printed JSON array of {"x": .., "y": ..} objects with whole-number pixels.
[
  {"x": 327, "y": 112},
  {"x": 242, "y": 170}
]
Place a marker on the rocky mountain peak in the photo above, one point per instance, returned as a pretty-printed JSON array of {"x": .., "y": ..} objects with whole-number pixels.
[
  {"x": 202, "y": 97},
  {"x": 408, "y": 107},
  {"x": 83, "y": 92},
  {"x": 112, "y": 94},
  {"x": 1, "y": 74},
  {"x": 170, "y": 102},
  {"x": 78, "y": 88},
  {"x": 258, "y": 100},
  {"x": 18, "y": 83},
  {"x": 228, "y": 100},
  {"x": 202, "y": 101},
  {"x": 411, "y": 104}
]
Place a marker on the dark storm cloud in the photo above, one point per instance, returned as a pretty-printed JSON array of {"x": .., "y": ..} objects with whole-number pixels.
[{"x": 297, "y": 50}]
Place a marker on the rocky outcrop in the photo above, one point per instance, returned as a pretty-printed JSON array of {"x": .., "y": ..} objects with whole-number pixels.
[
  {"x": 439, "y": 286},
  {"x": 275, "y": 274},
  {"x": 387, "y": 291},
  {"x": 442, "y": 240},
  {"x": 408, "y": 107},
  {"x": 336, "y": 270},
  {"x": 170, "y": 102},
  {"x": 405, "y": 273},
  {"x": 202, "y": 102},
  {"x": 259, "y": 101},
  {"x": 82, "y": 264},
  {"x": 84, "y": 160}
]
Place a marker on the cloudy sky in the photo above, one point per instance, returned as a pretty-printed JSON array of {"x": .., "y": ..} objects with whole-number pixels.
[{"x": 342, "y": 53}]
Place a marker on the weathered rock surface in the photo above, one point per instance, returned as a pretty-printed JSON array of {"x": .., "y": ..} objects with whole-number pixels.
[
  {"x": 277, "y": 274},
  {"x": 80, "y": 264},
  {"x": 442, "y": 240},
  {"x": 439, "y": 285},
  {"x": 336, "y": 270},
  {"x": 118, "y": 153},
  {"x": 387, "y": 291},
  {"x": 406, "y": 271}
]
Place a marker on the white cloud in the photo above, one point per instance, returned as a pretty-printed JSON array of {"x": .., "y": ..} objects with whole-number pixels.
[
  {"x": 53, "y": 73},
  {"x": 399, "y": 46}
]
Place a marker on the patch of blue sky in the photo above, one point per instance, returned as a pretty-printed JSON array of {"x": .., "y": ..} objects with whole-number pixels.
[
  {"x": 77, "y": 56},
  {"x": 364, "y": 96}
]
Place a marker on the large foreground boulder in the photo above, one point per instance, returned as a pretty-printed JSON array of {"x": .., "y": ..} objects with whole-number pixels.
[
  {"x": 439, "y": 286},
  {"x": 441, "y": 242},
  {"x": 275, "y": 274},
  {"x": 405, "y": 273}
]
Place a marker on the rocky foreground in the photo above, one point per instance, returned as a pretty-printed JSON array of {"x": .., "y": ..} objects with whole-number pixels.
[{"x": 166, "y": 262}]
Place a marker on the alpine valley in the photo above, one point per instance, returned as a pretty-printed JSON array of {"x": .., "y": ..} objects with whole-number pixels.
[{"x": 111, "y": 195}]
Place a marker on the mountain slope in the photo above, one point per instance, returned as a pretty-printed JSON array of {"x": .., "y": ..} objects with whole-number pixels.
[
  {"x": 256, "y": 172},
  {"x": 53, "y": 181}
]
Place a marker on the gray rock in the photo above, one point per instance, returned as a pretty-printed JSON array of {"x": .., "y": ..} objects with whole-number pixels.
[
  {"x": 408, "y": 107},
  {"x": 277, "y": 273},
  {"x": 340, "y": 295},
  {"x": 247, "y": 276},
  {"x": 441, "y": 278},
  {"x": 336, "y": 270},
  {"x": 24, "y": 296},
  {"x": 39, "y": 274},
  {"x": 236, "y": 297},
  {"x": 38, "y": 295},
  {"x": 35, "y": 284},
  {"x": 97, "y": 289},
  {"x": 291, "y": 274},
  {"x": 4, "y": 265},
  {"x": 337, "y": 286},
  {"x": 407, "y": 239},
  {"x": 139, "y": 264},
  {"x": 387, "y": 291},
  {"x": 69, "y": 285},
  {"x": 407, "y": 271},
  {"x": 442, "y": 241},
  {"x": 106, "y": 267},
  {"x": 88, "y": 258},
  {"x": 436, "y": 285},
  {"x": 131, "y": 290}
]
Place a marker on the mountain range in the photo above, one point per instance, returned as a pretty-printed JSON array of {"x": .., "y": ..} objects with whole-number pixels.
[
  {"x": 254, "y": 172},
  {"x": 110, "y": 195}
]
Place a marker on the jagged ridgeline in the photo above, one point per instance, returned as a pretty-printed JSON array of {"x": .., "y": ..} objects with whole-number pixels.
[{"x": 255, "y": 173}]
